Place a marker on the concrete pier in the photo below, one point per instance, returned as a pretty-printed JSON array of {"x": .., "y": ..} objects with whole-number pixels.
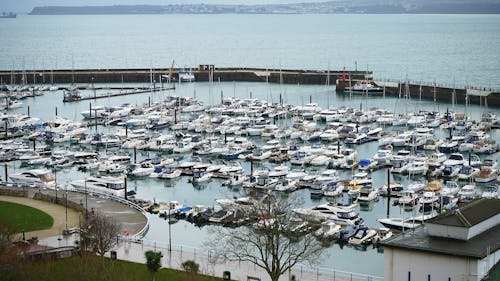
[{"x": 207, "y": 73}]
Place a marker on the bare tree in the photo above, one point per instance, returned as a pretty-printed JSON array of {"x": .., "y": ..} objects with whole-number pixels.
[
  {"x": 265, "y": 243},
  {"x": 99, "y": 234}
]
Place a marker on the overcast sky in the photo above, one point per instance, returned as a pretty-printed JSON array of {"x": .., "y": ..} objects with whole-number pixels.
[{"x": 27, "y": 5}]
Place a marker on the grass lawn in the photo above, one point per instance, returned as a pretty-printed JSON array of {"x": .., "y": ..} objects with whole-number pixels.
[
  {"x": 93, "y": 268},
  {"x": 19, "y": 217}
]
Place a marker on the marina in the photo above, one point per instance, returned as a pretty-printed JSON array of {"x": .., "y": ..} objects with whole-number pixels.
[
  {"x": 193, "y": 162},
  {"x": 364, "y": 135}
]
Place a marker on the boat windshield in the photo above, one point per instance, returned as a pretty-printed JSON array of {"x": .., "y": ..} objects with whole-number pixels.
[
  {"x": 114, "y": 186},
  {"x": 347, "y": 215}
]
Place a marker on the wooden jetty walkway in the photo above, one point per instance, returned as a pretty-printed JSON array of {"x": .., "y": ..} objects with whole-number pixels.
[{"x": 112, "y": 95}]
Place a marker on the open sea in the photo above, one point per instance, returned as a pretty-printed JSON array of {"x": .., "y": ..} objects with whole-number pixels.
[{"x": 451, "y": 49}]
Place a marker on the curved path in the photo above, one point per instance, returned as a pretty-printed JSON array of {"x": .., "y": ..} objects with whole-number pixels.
[{"x": 57, "y": 212}]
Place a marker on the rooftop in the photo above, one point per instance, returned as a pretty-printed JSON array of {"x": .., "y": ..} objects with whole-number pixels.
[
  {"x": 478, "y": 247},
  {"x": 469, "y": 215}
]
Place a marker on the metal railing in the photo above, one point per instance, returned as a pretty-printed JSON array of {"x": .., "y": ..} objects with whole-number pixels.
[
  {"x": 139, "y": 235},
  {"x": 303, "y": 272}
]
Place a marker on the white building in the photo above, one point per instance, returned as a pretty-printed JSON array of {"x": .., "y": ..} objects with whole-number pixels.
[{"x": 461, "y": 245}]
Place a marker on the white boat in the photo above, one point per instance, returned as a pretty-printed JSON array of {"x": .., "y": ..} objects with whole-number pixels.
[
  {"x": 450, "y": 188},
  {"x": 364, "y": 87},
  {"x": 340, "y": 214},
  {"x": 367, "y": 194},
  {"x": 490, "y": 192},
  {"x": 467, "y": 173},
  {"x": 408, "y": 198},
  {"x": 170, "y": 173},
  {"x": 486, "y": 174},
  {"x": 428, "y": 199},
  {"x": 399, "y": 223},
  {"x": 362, "y": 236},
  {"x": 417, "y": 167},
  {"x": 38, "y": 177},
  {"x": 235, "y": 180},
  {"x": 328, "y": 230},
  {"x": 172, "y": 208},
  {"x": 320, "y": 160},
  {"x": 467, "y": 193},
  {"x": 200, "y": 176},
  {"x": 112, "y": 185},
  {"x": 142, "y": 169}
]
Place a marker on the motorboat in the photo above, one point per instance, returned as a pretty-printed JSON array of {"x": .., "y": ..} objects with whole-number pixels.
[
  {"x": 450, "y": 188},
  {"x": 170, "y": 173},
  {"x": 340, "y": 214},
  {"x": 200, "y": 176},
  {"x": 399, "y": 223},
  {"x": 37, "y": 177},
  {"x": 486, "y": 174},
  {"x": 172, "y": 208},
  {"x": 383, "y": 233},
  {"x": 428, "y": 200},
  {"x": 364, "y": 87},
  {"x": 490, "y": 192},
  {"x": 141, "y": 170},
  {"x": 362, "y": 236},
  {"x": 467, "y": 173},
  {"x": 367, "y": 194},
  {"x": 112, "y": 185},
  {"x": 328, "y": 230},
  {"x": 467, "y": 193},
  {"x": 417, "y": 167},
  {"x": 235, "y": 180},
  {"x": 433, "y": 186},
  {"x": 408, "y": 198}
]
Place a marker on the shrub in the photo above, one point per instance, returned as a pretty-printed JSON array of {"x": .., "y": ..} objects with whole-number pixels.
[{"x": 190, "y": 266}]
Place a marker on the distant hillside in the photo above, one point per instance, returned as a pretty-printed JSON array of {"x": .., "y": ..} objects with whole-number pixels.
[{"x": 340, "y": 6}]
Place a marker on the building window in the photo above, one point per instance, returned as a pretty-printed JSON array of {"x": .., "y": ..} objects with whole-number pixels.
[{"x": 409, "y": 275}]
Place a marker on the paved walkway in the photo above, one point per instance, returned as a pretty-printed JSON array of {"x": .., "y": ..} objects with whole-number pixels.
[
  {"x": 57, "y": 212},
  {"x": 130, "y": 219},
  {"x": 209, "y": 266}
]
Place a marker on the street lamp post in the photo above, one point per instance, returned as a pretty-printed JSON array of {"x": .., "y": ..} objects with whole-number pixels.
[
  {"x": 66, "y": 206},
  {"x": 55, "y": 180},
  {"x": 86, "y": 202},
  {"x": 169, "y": 231}
]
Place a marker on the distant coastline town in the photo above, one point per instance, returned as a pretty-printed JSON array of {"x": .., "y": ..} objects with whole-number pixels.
[{"x": 330, "y": 7}]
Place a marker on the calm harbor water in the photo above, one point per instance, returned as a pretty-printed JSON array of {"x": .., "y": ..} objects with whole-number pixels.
[
  {"x": 188, "y": 235},
  {"x": 453, "y": 49}
]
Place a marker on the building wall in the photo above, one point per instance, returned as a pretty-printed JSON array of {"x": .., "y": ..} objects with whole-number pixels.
[{"x": 400, "y": 263}]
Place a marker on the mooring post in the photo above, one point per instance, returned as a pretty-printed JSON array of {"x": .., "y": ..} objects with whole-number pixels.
[
  {"x": 34, "y": 144},
  {"x": 95, "y": 118},
  {"x": 5, "y": 171},
  {"x": 135, "y": 154},
  {"x": 56, "y": 110},
  {"x": 29, "y": 111},
  {"x": 126, "y": 131},
  {"x": 221, "y": 97},
  {"x": 388, "y": 191},
  {"x": 125, "y": 186}
]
